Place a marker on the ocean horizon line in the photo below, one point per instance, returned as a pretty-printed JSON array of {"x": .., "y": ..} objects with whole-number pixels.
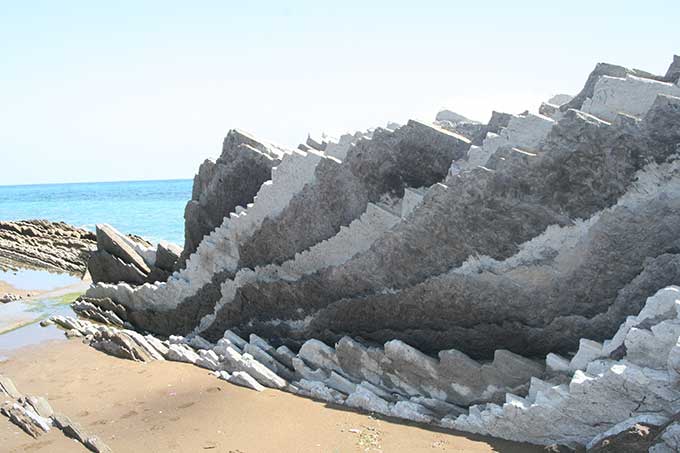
[{"x": 96, "y": 182}]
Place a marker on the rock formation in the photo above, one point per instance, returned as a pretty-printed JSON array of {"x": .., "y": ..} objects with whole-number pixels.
[
  {"x": 35, "y": 416},
  {"x": 222, "y": 186},
  {"x": 41, "y": 244},
  {"x": 444, "y": 262},
  {"x": 131, "y": 259}
]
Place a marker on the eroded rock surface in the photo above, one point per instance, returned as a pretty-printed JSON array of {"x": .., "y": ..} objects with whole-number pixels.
[
  {"x": 418, "y": 270},
  {"x": 41, "y": 244}
]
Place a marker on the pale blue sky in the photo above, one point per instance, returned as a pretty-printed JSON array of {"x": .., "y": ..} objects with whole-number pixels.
[{"x": 99, "y": 91}]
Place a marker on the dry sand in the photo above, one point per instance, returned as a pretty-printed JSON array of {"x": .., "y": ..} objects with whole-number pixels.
[{"x": 174, "y": 407}]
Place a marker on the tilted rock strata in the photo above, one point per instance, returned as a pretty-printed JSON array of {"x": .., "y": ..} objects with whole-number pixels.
[
  {"x": 35, "y": 416},
  {"x": 537, "y": 173},
  {"x": 584, "y": 166},
  {"x": 221, "y": 186},
  {"x": 312, "y": 196},
  {"x": 640, "y": 386},
  {"x": 129, "y": 259},
  {"x": 47, "y": 245},
  {"x": 539, "y": 234},
  {"x": 604, "y": 393}
]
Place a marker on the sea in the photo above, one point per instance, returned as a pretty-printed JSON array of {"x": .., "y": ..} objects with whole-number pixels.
[{"x": 151, "y": 209}]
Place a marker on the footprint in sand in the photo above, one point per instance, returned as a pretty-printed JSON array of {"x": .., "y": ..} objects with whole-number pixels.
[
  {"x": 185, "y": 405},
  {"x": 129, "y": 414}
]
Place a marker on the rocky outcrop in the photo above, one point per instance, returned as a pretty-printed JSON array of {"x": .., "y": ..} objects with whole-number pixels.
[
  {"x": 311, "y": 196},
  {"x": 604, "y": 393},
  {"x": 35, "y": 416},
  {"x": 41, "y": 244},
  {"x": 421, "y": 270},
  {"x": 130, "y": 259},
  {"x": 7, "y": 298},
  {"x": 233, "y": 180},
  {"x": 536, "y": 173}
]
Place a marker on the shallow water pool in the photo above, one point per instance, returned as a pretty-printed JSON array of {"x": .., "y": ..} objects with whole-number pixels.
[{"x": 29, "y": 279}]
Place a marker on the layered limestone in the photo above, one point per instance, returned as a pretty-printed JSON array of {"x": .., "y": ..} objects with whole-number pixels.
[
  {"x": 297, "y": 264},
  {"x": 492, "y": 302},
  {"x": 305, "y": 185},
  {"x": 604, "y": 393},
  {"x": 219, "y": 251},
  {"x": 41, "y": 244},
  {"x": 525, "y": 132},
  {"x": 129, "y": 259},
  {"x": 352, "y": 239},
  {"x": 231, "y": 181},
  {"x": 631, "y": 95},
  {"x": 491, "y": 211},
  {"x": 414, "y": 271}
]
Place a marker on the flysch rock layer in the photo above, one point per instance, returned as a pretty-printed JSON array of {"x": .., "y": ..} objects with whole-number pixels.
[
  {"x": 441, "y": 261},
  {"x": 349, "y": 241},
  {"x": 47, "y": 245},
  {"x": 583, "y": 166},
  {"x": 311, "y": 196},
  {"x": 233, "y": 180},
  {"x": 538, "y": 173},
  {"x": 130, "y": 259},
  {"x": 605, "y": 388},
  {"x": 603, "y": 393}
]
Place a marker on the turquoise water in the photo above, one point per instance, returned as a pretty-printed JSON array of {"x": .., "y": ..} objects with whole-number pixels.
[
  {"x": 32, "y": 333},
  {"x": 152, "y": 209},
  {"x": 30, "y": 279}
]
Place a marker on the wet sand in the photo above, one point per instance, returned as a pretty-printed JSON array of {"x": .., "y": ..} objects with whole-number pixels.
[
  {"x": 17, "y": 314},
  {"x": 174, "y": 407},
  {"x": 35, "y": 294},
  {"x": 6, "y": 288}
]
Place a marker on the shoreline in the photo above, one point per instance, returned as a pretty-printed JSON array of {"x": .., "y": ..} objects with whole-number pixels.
[
  {"x": 37, "y": 294},
  {"x": 176, "y": 407},
  {"x": 31, "y": 298}
]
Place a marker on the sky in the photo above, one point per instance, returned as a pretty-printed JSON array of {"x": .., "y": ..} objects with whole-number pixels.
[{"x": 134, "y": 90}]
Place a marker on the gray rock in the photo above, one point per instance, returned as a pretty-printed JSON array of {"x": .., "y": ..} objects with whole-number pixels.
[
  {"x": 96, "y": 445},
  {"x": 70, "y": 428},
  {"x": 235, "y": 339},
  {"x": 25, "y": 418},
  {"x": 363, "y": 398},
  {"x": 8, "y": 388},
  {"x": 412, "y": 411},
  {"x": 632, "y": 435},
  {"x": 111, "y": 241},
  {"x": 219, "y": 187},
  {"x": 122, "y": 345},
  {"x": 158, "y": 345},
  {"x": 107, "y": 268},
  {"x": 208, "y": 360},
  {"x": 673, "y": 73},
  {"x": 182, "y": 353},
  {"x": 453, "y": 117},
  {"x": 320, "y": 391},
  {"x": 167, "y": 255},
  {"x": 670, "y": 439},
  {"x": 40, "y": 244},
  {"x": 245, "y": 380},
  {"x": 40, "y": 406}
]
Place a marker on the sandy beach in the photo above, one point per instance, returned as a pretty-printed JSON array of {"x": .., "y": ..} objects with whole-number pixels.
[{"x": 174, "y": 407}]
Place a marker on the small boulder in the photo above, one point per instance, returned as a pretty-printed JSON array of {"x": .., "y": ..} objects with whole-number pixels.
[
  {"x": 167, "y": 255},
  {"x": 245, "y": 380}
]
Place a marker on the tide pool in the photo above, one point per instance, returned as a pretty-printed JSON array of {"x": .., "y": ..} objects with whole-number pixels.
[{"x": 29, "y": 279}]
